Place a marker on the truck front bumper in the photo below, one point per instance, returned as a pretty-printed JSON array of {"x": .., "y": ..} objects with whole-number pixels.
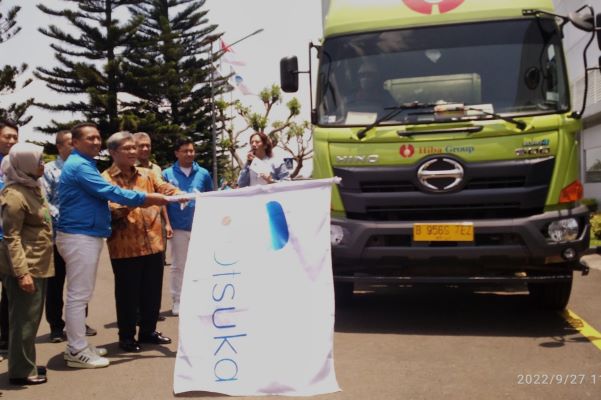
[{"x": 500, "y": 247}]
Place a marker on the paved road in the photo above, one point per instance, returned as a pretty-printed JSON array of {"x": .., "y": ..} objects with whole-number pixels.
[{"x": 391, "y": 343}]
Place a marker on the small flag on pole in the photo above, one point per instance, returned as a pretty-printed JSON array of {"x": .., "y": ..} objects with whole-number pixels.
[
  {"x": 239, "y": 83},
  {"x": 227, "y": 58}
]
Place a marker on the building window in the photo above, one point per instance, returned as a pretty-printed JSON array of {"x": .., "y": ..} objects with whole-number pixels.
[{"x": 592, "y": 158}]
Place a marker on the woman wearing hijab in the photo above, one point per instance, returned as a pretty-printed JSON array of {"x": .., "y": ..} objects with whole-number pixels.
[
  {"x": 27, "y": 248},
  {"x": 261, "y": 166}
]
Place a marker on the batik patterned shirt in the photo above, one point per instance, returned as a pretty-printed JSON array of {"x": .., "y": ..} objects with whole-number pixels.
[{"x": 136, "y": 231}]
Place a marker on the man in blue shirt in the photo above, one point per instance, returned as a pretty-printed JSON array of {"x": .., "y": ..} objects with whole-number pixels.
[
  {"x": 84, "y": 221},
  {"x": 55, "y": 285},
  {"x": 189, "y": 177},
  {"x": 9, "y": 135}
]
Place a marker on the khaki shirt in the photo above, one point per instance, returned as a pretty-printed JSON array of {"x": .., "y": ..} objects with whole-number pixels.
[
  {"x": 27, "y": 244},
  {"x": 154, "y": 168},
  {"x": 136, "y": 231}
]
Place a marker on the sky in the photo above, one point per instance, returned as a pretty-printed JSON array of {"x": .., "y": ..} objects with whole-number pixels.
[{"x": 289, "y": 26}]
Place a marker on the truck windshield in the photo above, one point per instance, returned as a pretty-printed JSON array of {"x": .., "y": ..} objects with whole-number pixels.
[{"x": 513, "y": 68}]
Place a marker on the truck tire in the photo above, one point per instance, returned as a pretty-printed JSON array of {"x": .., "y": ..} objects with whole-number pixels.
[
  {"x": 343, "y": 293},
  {"x": 552, "y": 295}
]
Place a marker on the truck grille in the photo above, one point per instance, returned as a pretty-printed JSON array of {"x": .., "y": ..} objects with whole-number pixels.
[{"x": 500, "y": 189}]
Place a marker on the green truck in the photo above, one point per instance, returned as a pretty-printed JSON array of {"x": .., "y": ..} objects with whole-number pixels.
[{"x": 451, "y": 125}]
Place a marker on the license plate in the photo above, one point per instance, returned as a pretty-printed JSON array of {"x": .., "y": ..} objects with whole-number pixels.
[{"x": 463, "y": 232}]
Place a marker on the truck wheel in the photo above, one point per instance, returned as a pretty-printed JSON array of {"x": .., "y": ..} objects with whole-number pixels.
[
  {"x": 343, "y": 293},
  {"x": 551, "y": 295}
]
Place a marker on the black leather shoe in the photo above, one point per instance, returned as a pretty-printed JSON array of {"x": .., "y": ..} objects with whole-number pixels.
[
  {"x": 30, "y": 380},
  {"x": 57, "y": 336},
  {"x": 91, "y": 331},
  {"x": 131, "y": 346},
  {"x": 154, "y": 338}
]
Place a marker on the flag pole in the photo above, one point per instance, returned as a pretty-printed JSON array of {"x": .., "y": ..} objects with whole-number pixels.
[
  {"x": 213, "y": 121},
  {"x": 213, "y": 112},
  {"x": 232, "y": 116}
]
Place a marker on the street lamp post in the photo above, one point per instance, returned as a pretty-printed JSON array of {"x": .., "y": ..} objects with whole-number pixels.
[{"x": 213, "y": 111}]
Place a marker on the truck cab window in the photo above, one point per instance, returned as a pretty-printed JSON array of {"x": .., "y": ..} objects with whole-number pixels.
[{"x": 488, "y": 63}]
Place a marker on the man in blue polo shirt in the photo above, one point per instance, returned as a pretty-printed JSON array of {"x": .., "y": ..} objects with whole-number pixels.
[
  {"x": 83, "y": 223},
  {"x": 189, "y": 177},
  {"x": 9, "y": 135}
]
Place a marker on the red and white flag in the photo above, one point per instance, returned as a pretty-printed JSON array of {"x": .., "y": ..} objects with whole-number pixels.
[{"x": 229, "y": 55}]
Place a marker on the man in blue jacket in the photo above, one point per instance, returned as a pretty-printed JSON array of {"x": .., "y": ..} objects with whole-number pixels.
[
  {"x": 55, "y": 285},
  {"x": 189, "y": 177},
  {"x": 84, "y": 221}
]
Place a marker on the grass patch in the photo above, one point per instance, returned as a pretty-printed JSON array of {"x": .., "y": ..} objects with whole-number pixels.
[{"x": 595, "y": 243}]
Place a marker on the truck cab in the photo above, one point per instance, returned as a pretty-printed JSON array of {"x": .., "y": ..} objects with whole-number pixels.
[{"x": 451, "y": 126}]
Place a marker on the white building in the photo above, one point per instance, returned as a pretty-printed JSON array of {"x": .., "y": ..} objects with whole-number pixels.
[{"x": 574, "y": 42}]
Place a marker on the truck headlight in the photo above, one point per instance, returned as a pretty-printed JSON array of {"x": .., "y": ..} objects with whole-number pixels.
[
  {"x": 336, "y": 234},
  {"x": 563, "y": 230}
]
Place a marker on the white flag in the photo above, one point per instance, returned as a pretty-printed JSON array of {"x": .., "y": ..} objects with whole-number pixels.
[
  {"x": 239, "y": 83},
  {"x": 257, "y": 305}
]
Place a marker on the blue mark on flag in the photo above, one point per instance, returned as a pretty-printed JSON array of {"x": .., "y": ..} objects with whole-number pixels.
[{"x": 278, "y": 226}]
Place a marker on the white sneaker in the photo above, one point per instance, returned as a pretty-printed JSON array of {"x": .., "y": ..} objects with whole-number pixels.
[
  {"x": 101, "y": 351},
  {"x": 175, "y": 309},
  {"x": 86, "y": 358}
]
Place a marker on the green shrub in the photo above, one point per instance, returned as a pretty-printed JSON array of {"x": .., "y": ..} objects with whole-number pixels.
[{"x": 596, "y": 226}]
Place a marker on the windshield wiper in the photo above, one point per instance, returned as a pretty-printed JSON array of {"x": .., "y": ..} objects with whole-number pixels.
[
  {"x": 395, "y": 111},
  {"x": 439, "y": 107},
  {"x": 521, "y": 125}
]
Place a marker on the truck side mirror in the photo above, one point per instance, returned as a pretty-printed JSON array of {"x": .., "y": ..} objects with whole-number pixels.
[
  {"x": 289, "y": 74},
  {"x": 598, "y": 23},
  {"x": 314, "y": 116},
  {"x": 583, "y": 22}
]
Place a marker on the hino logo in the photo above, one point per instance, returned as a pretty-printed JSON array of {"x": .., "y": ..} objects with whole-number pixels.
[
  {"x": 369, "y": 159},
  {"x": 440, "y": 174}
]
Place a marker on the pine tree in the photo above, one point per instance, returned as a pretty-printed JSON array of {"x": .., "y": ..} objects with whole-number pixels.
[
  {"x": 169, "y": 67},
  {"x": 9, "y": 73},
  {"x": 89, "y": 61}
]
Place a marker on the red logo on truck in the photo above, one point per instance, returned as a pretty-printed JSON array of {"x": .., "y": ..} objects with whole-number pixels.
[
  {"x": 406, "y": 151},
  {"x": 427, "y": 6}
]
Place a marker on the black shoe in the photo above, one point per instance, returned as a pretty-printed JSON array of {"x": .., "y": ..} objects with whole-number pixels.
[
  {"x": 154, "y": 338},
  {"x": 57, "y": 336},
  {"x": 131, "y": 346},
  {"x": 91, "y": 331},
  {"x": 30, "y": 380}
]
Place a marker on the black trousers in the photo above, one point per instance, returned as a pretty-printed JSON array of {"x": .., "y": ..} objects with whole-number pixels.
[
  {"x": 54, "y": 295},
  {"x": 4, "y": 316},
  {"x": 138, "y": 287}
]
